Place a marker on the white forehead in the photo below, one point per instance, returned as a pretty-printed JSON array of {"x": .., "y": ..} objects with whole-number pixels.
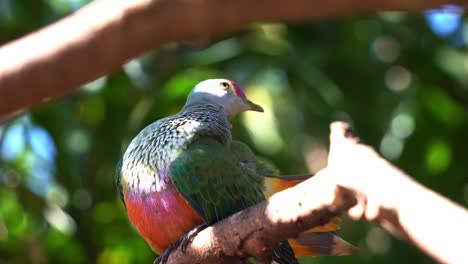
[{"x": 211, "y": 86}]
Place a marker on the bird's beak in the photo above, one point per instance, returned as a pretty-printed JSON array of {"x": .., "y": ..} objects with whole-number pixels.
[{"x": 253, "y": 106}]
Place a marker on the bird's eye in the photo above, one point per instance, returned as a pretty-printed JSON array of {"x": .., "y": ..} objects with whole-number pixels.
[{"x": 224, "y": 85}]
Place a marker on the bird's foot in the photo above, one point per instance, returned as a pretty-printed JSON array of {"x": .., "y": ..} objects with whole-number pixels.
[
  {"x": 162, "y": 259},
  {"x": 186, "y": 239},
  {"x": 182, "y": 242}
]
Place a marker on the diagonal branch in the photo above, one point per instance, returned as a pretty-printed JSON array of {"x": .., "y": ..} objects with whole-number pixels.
[
  {"x": 106, "y": 33},
  {"x": 256, "y": 230},
  {"x": 356, "y": 176}
]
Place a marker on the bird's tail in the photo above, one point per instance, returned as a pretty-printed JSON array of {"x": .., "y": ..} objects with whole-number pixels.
[{"x": 320, "y": 240}]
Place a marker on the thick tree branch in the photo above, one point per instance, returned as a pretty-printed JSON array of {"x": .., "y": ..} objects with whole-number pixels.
[
  {"x": 255, "y": 231},
  {"x": 356, "y": 176},
  {"x": 388, "y": 196},
  {"x": 105, "y": 34}
]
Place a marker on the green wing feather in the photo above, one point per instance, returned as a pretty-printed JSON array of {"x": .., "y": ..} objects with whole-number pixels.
[
  {"x": 256, "y": 165},
  {"x": 257, "y": 169},
  {"x": 211, "y": 179},
  {"x": 218, "y": 182},
  {"x": 323, "y": 243},
  {"x": 261, "y": 167}
]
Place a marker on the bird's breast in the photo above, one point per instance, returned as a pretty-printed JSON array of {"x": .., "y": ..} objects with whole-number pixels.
[{"x": 161, "y": 217}]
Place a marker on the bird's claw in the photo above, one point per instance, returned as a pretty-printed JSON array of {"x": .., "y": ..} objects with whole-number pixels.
[
  {"x": 186, "y": 239},
  {"x": 165, "y": 256},
  {"x": 183, "y": 242}
]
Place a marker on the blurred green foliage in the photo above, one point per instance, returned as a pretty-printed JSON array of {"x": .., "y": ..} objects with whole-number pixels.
[{"x": 399, "y": 79}]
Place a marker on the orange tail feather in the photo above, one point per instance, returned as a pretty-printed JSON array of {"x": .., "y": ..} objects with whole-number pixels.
[{"x": 320, "y": 240}]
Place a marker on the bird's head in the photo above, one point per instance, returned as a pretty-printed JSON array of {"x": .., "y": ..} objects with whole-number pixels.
[{"x": 225, "y": 93}]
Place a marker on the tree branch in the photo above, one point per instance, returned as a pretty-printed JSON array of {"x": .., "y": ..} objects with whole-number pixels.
[
  {"x": 256, "y": 230},
  {"x": 105, "y": 34},
  {"x": 357, "y": 181},
  {"x": 390, "y": 197}
]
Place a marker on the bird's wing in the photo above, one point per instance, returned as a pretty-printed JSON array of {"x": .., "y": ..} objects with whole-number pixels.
[
  {"x": 117, "y": 181},
  {"x": 212, "y": 181},
  {"x": 320, "y": 240}
]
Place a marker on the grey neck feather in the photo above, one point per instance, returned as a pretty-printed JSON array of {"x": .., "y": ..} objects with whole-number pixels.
[
  {"x": 148, "y": 156},
  {"x": 195, "y": 102},
  {"x": 214, "y": 118}
]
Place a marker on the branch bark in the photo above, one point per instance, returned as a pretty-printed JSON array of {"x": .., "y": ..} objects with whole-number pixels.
[
  {"x": 256, "y": 230},
  {"x": 357, "y": 181},
  {"x": 105, "y": 34}
]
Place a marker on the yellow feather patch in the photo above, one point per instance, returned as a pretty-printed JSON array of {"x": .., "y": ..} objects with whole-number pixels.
[{"x": 274, "y": 185}]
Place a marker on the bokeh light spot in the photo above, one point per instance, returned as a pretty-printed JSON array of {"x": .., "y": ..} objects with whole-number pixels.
[
  {"x": 392, "y": 16},
  {"x": 136, "y": 73},
  {"x": 78, "y": 141},
  {"x": 378, "y": 241},
  {"x": 443, "y": 107},
  {"x": 397, "y": 78},
  {"x": 57, "y": 195},
  {"x": 386, "y": 49},
  {"x": 391, "y": 147},
  {"x": 42, "y": 143},
  {"x": 13, "y": 142},
  {"x": 402, "y": 125},
  {"x": 444, "y": 22},
  {"x": 59, "y": 219},
  {"x": 438, "y": 157},
  {"x": 217, "y": 52}
]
